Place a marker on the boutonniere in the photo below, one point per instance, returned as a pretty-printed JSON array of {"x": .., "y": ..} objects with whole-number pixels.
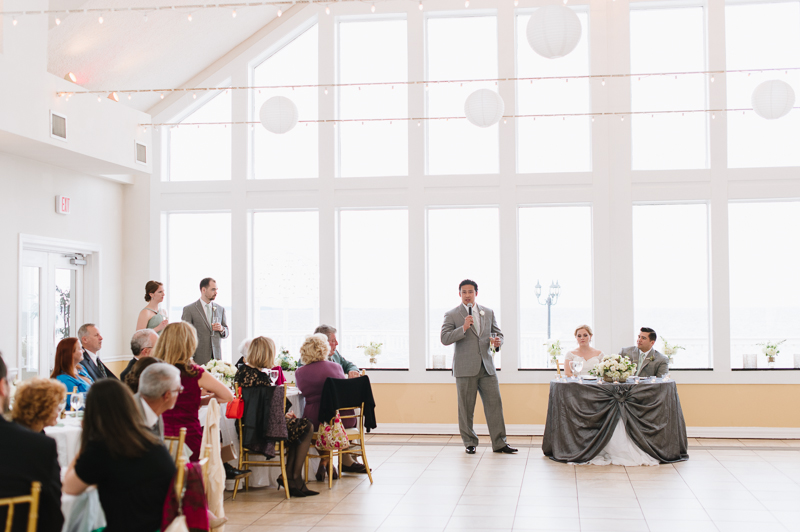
[
  {"x": 482, "y": 313},
  {"x": 652, "y": 358}
]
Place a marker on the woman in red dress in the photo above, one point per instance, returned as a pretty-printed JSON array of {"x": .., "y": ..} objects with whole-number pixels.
[{"x": 176, "y": 346}]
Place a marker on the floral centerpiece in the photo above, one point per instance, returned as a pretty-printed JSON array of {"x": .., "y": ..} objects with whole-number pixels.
[
  {"x": 671, "y": 350},
  {"x": 771, "y": 351},
  {"x": 223, "y": 371},
  {"x": 614, "y": 368},
  {"x": 372, "y": 350},
  {"x": 287, "y": 364},
  {"x": 554, "y": 350}
]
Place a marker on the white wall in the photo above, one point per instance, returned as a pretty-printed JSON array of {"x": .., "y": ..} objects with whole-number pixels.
[{"x": 28, "y": 206}]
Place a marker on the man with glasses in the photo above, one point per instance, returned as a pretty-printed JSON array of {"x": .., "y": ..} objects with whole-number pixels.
[
  {"x": 159, "y": 388},
  {"x": 142, "y": 344}
]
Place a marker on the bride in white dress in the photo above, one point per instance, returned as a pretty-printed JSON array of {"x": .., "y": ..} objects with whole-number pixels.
[
  {"x": 590, "y": 356},
  {"x": 620, "y": 450}
]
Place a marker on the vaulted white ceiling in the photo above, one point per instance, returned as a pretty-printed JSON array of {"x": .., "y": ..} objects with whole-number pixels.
[{"x": 129, "y": 52}]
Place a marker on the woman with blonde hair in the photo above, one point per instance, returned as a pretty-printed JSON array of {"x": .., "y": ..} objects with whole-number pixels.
[
  {"x": 585, "y": 352},
  {"x": 254, "y": 373},
  {"x": 37, "y": 403},
  {"x": 176, "y": 346}
]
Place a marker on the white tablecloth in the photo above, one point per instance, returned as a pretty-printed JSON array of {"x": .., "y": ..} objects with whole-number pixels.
[
  {"x": 261, "y": 476},
  {"x": 82, "y": 513},
  {"x": 67, "y": 434}
]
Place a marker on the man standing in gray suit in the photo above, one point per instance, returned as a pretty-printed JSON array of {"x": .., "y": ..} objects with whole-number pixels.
[
  {"x": 471, "y": 327},
  {"x": 649, "y": 362},
  {"x": 159, "y": 387},
  {"x": 209, "y": 320}
]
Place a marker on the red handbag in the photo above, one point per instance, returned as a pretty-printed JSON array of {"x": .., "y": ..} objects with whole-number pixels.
[{"x": 235, "y": 409}]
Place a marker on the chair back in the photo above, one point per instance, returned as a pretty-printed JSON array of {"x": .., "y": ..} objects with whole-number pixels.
[
  {"x": 242, "y": 448},
  {"x": 31, "y": 500},
  {"x": 67, "y": 403},
  {"x": 354, "y": 388},
  {"x": 204, "y": 466},
  {"x": 175, "y": 444}
]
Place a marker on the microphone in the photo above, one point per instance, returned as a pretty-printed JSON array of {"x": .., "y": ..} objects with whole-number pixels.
[{"x": 469, "y": 307}]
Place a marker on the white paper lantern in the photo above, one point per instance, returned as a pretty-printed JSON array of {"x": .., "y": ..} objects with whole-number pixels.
[
  {"x": 278, "y": 115},
  {"x": 772, "y": 99},
  {"x": 554, "y": 31},
  {"x": 484, "y": 108}
]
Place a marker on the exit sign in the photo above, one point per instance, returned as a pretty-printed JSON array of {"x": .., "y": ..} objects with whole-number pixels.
[{"x": 62, "y": 204}]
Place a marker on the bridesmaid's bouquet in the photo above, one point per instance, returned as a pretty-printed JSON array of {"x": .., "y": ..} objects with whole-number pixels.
[
  {"x": 614, "y": 368},
  {"x": 222, "y": 371}
]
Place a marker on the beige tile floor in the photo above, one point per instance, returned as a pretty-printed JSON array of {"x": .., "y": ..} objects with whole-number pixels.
[{"x": 428, "y": 484}]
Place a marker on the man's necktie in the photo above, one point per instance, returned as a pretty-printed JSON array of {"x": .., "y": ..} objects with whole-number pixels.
[{"x": 101, "y": 369}]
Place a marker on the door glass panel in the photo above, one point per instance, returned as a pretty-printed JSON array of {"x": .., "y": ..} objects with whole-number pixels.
[
  {"x": 29, "y": 321},
  {"x": 64, "y": 311}
]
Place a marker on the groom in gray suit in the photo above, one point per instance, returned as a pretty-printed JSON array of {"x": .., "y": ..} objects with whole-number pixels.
[
  {"x": 470, "y": 327},
  {"x": 649, "y": 362},
  {"x": 209, "y": 320}
]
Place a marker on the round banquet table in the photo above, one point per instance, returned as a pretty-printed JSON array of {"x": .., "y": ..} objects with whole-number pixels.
[
  {"x": 67, "y": 434},
  {"x": 582, "y": 418}
]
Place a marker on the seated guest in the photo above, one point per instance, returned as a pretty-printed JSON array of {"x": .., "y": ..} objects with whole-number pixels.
[
  {"x": 159, "y": 387},
  {"x": 310, "y": 381},
  {"x": 92, "y": 341},
  {"x": 142, "y": 344},
  {"x": 132, "y": 378},
  {"x": 176, "y": 345},
  {"x": 27, "y": 457},
  {"x": 590, "y": 356},
  {"x": 649, "y": 362},
  {"x": 68, "y": 369},
  {"x": 132, "y": 470},
  {"x": 350, "y": 369},
  {"x": 261, "y": 355},
  {"x": 37, "y": 403},
  {"x": 244, "y": 347}
]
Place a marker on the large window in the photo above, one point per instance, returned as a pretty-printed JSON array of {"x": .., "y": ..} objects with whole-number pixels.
[
  {"x": 759, "y": 36},
  {"x": 462, "y": 244},
  {"x": 671, "y": 140},
  {"x": 286, "y": 277},
  {"x": 555, "y": 246},
  {"x": 557, "y": 144},
  {"x": 296, "y": 153},
  {"x": 373, "y": 277},
  {"x": 198, "y": 246},
  {"x": 460, "y": 48},
  {"x": 373, "y": 52},
  {"x": 670, "y": 279},
  {"x": 764, "y": 285},
  {"x": 202, "y": 153}
]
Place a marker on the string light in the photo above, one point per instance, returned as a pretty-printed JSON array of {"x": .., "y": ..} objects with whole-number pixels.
[
  {"x": 373, "y": 7},
  {"x": 466, "y": 3},
  {"x": 233, "y": 14},
  {"x": 280, "y": 12},
  {"x": 420, "y": 5},
  {"x": 189, "y": 18},
  {"x": 58, "y": 21},
  {"x": 14, "y": 22},
  {"x": 100, "y": 19},
  {"x": 327, "y": 10},
  {"x": 712, "y": 78},
  {"x": 516, "y": 3}
]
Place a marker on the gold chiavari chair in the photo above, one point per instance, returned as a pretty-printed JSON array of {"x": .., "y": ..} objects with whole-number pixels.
[
  {"x": 31, "y": 500},
  {"x": 244, "y": 458},
  {"x": 355, "y": 434},
  {"x": 175, "y": 444}
]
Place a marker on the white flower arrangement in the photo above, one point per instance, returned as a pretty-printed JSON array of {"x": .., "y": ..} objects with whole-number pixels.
[
  {"x": 554, "y": 349},
  {"x": 614, "y": 367},
  {"x": 223, "y": 371},
  {"x": 770, "y": 349},
  {"x": 671, "y": 350},
  {"x": 371, "y": 350}
]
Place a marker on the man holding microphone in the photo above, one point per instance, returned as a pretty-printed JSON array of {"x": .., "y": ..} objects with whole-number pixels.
[{"x": 474, "y": 330}]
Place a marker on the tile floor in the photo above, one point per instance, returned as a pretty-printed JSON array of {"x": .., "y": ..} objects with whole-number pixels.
[{"x": 428, "y": 484}]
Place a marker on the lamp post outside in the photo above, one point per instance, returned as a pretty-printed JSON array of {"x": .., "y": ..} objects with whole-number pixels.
[{"x": 552, "y": 299}]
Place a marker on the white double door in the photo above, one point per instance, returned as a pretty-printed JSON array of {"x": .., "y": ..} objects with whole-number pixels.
[{"x": 51, "y": 307}]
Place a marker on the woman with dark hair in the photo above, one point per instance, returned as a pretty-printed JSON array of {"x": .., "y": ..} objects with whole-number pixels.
[
  {"x": 132, "y": 378},
  {"x": 132, "y": 470},
  {"x": 150, "y": 317},
  {"x": 67, "y": 368}
]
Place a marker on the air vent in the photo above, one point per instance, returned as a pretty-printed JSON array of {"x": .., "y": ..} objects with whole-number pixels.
[
  {"x": 141, "y": 153},
  {"x": 58, "y": 126}
]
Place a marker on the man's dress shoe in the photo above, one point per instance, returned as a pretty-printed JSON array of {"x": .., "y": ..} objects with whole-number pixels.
[
  {"x": 471, "y": 449},
  {"x": 507, "y": 450}
]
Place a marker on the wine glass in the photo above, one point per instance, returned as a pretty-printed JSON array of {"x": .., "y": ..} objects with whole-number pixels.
[
  {"x": 577, "y": 366},
  {"x": 76, "y": 402},
  {"x": 492, "y": 336},
  {"x": 273, "y": 375}
]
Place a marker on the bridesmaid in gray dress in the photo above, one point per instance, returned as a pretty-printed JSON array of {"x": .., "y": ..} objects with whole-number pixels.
[{"x": 150, "y": 317}]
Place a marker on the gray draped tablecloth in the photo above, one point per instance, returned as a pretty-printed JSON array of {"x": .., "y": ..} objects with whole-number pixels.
[{"x": 581, "y": 419}]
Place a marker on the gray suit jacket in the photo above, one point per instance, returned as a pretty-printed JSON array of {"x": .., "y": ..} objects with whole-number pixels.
[
  {"x": 208, "y": 341},
  {"x": 158, "y": 431},
  {"x": 658, "y": 366},
  {"x": 470, "y": 349}
]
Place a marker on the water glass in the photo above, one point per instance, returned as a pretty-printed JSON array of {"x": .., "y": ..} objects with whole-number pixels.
[{"x": 76, "y": 402}]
